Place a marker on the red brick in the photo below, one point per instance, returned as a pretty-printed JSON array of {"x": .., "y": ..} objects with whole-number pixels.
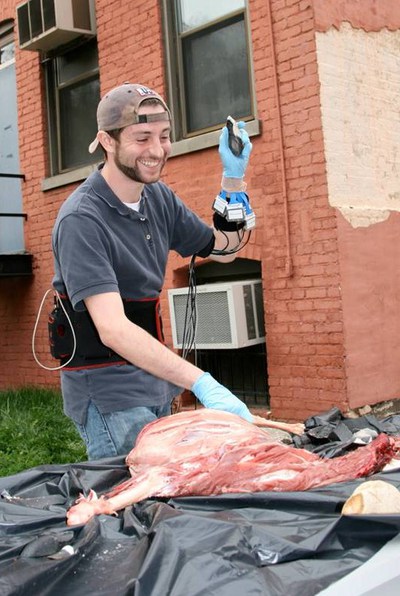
[{"x": 304, "y": 318}]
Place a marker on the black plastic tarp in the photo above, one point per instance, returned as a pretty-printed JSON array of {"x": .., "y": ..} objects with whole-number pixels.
[
  {"x": 330, "y": 434},
  {"x": 267, "y": 544}
]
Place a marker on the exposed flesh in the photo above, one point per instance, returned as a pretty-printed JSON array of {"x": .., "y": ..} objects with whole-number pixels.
[{"x": 209, "y": 452}]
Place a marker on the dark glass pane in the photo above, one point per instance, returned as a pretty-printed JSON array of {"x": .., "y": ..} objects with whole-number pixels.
[
  {"x": 78, "y": 125},
  {"x": 81, "y": 14},
  {"x": 49, "y": 15},
  {"x": 193, "y": 13},
  {"x": 216, "y": 76},
  {"x": 23, "y": 23},
  {"x": 77, "y": 62},
  {"x": 7, "y": 52},
  {"x": 35, "y": 12}
]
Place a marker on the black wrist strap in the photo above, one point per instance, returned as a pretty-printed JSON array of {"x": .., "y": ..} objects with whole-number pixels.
[
  {"x": 207, "y": 250},
  {"x": 220, "y": 223}
]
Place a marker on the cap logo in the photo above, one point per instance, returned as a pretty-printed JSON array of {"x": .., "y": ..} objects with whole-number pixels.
[{"x": 144, "y": 91}]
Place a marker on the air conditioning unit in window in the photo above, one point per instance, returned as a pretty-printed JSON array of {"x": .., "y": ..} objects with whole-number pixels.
[
  {"x": 229, "y": 315},
  {"x": 47, "y": 24}
]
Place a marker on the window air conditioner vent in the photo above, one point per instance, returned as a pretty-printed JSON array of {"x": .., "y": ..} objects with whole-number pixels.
[
  {"x": 229, "y": 315},
  {"x": 46, "y": 24}
]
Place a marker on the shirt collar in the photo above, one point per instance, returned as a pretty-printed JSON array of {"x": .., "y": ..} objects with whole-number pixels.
[{"x": 104, "y": 192}]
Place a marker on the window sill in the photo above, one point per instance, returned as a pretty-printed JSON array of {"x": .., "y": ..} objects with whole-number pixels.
[
  {"x": 204, "y": 141},
  {"x": 209, "y": 139},
  {"x": 68, "y": 177}
]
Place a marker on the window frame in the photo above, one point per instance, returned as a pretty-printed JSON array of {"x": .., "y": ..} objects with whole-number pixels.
[
  {"x": 184, "y": 141},
  {"x": 53, "y": 116},
  {"x": 7, "y": 37}
]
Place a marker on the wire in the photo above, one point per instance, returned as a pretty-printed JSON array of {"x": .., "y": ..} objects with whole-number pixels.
[
  {"x": 36, "y": 326},
  {"x": 190, "y": 322},
  {"x": 237, "y": 248}
]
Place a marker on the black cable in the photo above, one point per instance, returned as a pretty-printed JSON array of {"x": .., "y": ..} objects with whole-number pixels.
[
  {"x": 222, "y": 252},
  {"x": 227, "y": 241},
  {"x": 190, "y": 321}
]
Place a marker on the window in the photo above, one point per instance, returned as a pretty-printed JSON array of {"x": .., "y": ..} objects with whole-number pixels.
[
  {"x": 11, "y": 217},
  {"x": 209, "y": 66},
  {"x": 7, "y": 48},
  {"x": 73, "y": 94}
]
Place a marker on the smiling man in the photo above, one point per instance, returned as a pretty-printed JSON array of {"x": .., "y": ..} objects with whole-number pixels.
[{"x": 111, "y": 242}]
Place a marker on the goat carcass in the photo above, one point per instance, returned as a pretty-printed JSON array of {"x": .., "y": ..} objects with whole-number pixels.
[{"x": 209, "y": 452}]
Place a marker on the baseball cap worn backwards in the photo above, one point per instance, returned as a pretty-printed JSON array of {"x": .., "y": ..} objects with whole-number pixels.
[{"x": 119, "y": 108}]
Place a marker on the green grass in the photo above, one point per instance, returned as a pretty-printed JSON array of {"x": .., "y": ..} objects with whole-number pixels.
[{"x": 35, "y": 431}]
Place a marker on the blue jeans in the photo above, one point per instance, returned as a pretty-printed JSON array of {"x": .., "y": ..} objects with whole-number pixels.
[{"x": 108, "y": 435}]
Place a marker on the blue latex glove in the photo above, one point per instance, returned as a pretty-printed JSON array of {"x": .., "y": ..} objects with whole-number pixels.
[
  {"x": 234, "y": 167},
  {"x": 217, "y": 397}
]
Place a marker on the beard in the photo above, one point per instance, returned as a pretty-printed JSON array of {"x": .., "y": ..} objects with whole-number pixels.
[{"x": 133, "y": 172}]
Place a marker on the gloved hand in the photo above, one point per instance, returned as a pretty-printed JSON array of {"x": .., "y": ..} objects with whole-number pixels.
[
  {"x": 217, "y": 397},
  {"x": 234, "y": 167}
]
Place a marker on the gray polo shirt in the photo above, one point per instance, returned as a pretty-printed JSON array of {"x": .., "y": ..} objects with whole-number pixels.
[{"x": 101, "y": 245}]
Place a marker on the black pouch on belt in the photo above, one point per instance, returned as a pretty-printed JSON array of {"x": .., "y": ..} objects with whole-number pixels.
[{"x": 90, "y": 351}]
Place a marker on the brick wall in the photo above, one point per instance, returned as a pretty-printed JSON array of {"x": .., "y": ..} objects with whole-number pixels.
[
  {"x": 303, "y": 310},
  {"x": 296, "y": 238}
]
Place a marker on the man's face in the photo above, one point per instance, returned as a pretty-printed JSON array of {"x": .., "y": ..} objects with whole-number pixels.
[{"x": 143, "y": 149}]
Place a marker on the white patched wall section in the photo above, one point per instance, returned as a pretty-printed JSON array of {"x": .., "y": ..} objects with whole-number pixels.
[{"x": 359, "y": 75}]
